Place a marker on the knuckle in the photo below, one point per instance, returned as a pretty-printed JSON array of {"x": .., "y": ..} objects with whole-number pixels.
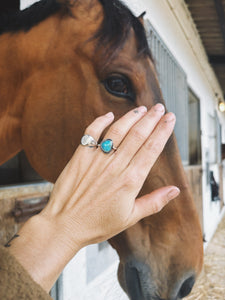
[
  {"x": 95, "y": 126},
  {"x": 112, "y": 169},
  {"x": 153, "y": 146},
  {"x": 91, "y": 131},
  {"x": 130, "y": 179},
  {"x": 138, "y": 135},
  {"x": 156, "y": 207},
  {"x": 114, "y": 130},
  {"x": 99, "y": 119},
  {"x": 154, "y": 116}
]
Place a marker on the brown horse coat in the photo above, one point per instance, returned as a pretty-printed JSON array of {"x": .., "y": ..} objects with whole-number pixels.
[{"x": 53, "y": 81}]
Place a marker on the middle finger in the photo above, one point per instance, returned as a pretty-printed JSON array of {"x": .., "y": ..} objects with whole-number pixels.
[{"x": 140, "y": 132}]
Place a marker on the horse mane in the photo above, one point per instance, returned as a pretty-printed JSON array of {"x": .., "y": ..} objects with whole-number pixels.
[
  {"x": 116, "y": 26},
  {"x": 117, "y": 23},
  {"x": 24, "y": 20}
]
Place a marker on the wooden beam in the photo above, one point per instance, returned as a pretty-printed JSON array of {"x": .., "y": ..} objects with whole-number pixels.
[
  {"x": 217, "y": 59},
  {"x": 221, "y": 16}
]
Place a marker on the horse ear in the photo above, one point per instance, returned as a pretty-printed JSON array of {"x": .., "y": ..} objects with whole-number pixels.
[{"x": 141, "y": 17}]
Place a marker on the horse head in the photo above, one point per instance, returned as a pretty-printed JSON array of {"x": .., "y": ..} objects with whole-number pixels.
[{"x": 85, "y": 59}]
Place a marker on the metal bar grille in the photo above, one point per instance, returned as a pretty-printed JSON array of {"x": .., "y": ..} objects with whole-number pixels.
[{"x": 173, "y": 82}]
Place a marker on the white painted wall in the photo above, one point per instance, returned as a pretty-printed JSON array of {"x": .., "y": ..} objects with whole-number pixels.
[
  {"x": 26, "y": 3},
  {"x": 172, "y": 21},
  {"x": 104, "y": 286},
  {"x": 176, "y": 28}
]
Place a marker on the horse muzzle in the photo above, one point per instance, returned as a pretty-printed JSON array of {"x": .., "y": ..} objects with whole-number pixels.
[{"x": 140, "y": 286}]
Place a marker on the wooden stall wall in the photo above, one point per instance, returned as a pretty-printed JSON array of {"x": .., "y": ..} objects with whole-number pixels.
[
  {"x": 18, "y": 203},
  {"x": 194, "y": 175}
]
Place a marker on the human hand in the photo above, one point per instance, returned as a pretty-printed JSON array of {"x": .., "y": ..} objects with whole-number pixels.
[{"x": 95, "y": 197}]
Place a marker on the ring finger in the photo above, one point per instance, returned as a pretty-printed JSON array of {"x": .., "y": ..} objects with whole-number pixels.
[{"x": 119, "y": 129}]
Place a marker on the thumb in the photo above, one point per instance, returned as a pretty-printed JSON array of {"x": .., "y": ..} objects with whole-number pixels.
[{"x": 152, "y": 203}]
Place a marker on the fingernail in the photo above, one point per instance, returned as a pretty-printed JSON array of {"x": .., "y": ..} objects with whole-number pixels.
[
  {"x": 159, "y": 107},
  {"x": 109, "y": 115},
  {"x": 142, "y": 109},
  {"x": 170, "y": 117},
  {"x": 173, "y": 193}
]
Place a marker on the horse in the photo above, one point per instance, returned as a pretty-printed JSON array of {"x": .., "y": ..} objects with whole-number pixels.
[
  {"x": 64, "y": 63},
  {"x": 9, "y": 6}
]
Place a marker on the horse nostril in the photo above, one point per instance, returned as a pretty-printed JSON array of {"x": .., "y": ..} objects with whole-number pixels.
[{"x": 186, "y": 287}]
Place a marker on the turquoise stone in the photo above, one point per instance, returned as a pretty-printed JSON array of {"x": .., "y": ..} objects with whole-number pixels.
[{"x": 107, "y": 146}]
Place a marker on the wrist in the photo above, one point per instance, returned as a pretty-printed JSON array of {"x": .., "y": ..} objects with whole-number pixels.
[{"x": 42, "y": 250}]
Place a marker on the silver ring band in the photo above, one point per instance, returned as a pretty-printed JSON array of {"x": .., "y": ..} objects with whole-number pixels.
[
  {"x": 106, "y": 145},
  {"x": 89, "y": 141}
]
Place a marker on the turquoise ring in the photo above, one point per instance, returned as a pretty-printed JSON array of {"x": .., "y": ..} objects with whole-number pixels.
[{"x": 107, "y": 146}]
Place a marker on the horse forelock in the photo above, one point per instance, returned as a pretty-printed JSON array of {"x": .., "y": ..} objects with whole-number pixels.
[
  {"x": 116, "y": 26},
  {"x": 118, "y": 21}
]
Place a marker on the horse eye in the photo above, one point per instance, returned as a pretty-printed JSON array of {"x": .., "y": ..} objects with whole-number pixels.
[{"x": 120, "y": 87}]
